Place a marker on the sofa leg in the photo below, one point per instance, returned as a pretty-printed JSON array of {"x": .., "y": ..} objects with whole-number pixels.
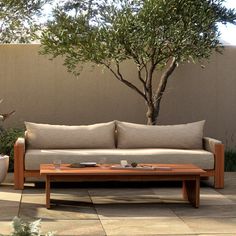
[
  {"x": 219, "y": 166},
  {"x": 18, "y": 183},
  {"x": 19, "y": 179},
  {"x": 219, "y": 181}
]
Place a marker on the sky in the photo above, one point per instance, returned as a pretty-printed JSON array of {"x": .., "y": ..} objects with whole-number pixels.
[{"x": 228, "y": 32}]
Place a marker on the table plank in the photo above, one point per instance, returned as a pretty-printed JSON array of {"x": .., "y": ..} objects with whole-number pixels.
[{"x": 106, "y": 170}]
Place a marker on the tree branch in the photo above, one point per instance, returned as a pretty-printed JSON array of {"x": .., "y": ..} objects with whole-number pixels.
[
  {"x": 6, "y": 115},
  {"x": 119, "y": 76},
  {"x": 144, "y": 65},
  {"x": 140, "y": 75},
  {"x": 150, "y": 75},
  {"x": 163, "y": 81}
]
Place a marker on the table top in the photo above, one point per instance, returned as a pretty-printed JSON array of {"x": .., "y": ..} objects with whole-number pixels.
[{"x": 105, "y": 169}]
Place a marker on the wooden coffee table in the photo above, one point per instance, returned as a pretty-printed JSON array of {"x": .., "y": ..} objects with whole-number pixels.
[{"x": 187, "y": 173}]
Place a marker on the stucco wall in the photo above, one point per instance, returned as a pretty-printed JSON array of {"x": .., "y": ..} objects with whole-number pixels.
[{"x": 42, "y": 91}]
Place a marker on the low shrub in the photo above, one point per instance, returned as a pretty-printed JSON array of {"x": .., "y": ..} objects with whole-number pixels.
[
  {"x": 230, "y": 160},
  {"x": 25, "y": 228},
  {"x": 7, "y": 140}
]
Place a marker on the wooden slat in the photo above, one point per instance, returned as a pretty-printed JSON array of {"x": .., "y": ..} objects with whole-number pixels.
[{"x": 121, "y": 177}]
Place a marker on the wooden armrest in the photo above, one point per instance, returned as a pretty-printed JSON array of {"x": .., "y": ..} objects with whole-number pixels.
[
  {"x": 216, "y": 147},
  {"x": 19, "y": 156}
]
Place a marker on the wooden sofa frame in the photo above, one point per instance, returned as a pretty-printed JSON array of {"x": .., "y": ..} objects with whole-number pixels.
[{"x": 20, "y": 173}]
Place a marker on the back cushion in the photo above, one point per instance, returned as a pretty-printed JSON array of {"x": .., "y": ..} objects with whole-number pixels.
[
  {"x": 184, "y": 136},
  {"x": 40, "y": 136}
]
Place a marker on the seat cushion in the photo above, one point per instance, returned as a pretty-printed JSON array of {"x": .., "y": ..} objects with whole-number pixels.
[
  {"x": 201, "y": 158},
  {"x": 65, "y": 136},
  {"x": 183, "y": 136}
]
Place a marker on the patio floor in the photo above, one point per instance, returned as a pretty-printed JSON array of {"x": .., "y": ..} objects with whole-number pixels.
[{"x": 146, "y": 210}]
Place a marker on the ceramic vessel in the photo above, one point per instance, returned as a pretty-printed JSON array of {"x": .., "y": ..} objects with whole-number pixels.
[{"x": 4, "y": 163}]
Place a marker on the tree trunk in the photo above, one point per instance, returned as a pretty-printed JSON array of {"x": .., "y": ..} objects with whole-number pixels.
[
  {"x": 150, "y": 114},
  {"x": 154, "y": 107}
]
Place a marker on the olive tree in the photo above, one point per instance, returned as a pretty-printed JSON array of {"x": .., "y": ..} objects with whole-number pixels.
[{"x": 157, "y": 35}]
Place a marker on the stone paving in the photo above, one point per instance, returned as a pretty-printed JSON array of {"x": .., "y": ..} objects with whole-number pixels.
[{"x": 147, "y": 210}]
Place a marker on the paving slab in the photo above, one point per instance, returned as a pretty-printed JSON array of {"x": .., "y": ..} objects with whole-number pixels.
[
  {"x": 74, "y": 227},
  {"x": 7, "y": 193},
  {"x": 120, "y": 191},
  {"x": 9, "y": 205},
  {"x": 229, "y": 190},
  {"x": 204, "y": 211},
  {"x": 133, "y": 211},
  {"x": 58, "y": 212},
  {"x": 115, "y": 196},
  {"x": 64, "y": 206},
  {"x": 230, "y": 183},
  {"x": 214, "y": 225},
  {"x": 151, "y": 199},
  {"x": 38, "y": 196},
  {"x": 5, "y": 227},
  {"x": 225, "y": 234},
  {"x": 210, "y": 196},
  {"x": 171, "y": 196},
  {"x": 8, "y": 212},
  {"x": 9, "y": 202},
  {"x": 231, "y": 197},
  {"x": 162, "y": 225}
]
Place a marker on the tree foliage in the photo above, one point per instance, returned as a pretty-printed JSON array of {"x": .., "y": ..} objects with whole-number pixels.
[
  {"x": 154, "y": 34},
  {"x": 18, "y": 18}
]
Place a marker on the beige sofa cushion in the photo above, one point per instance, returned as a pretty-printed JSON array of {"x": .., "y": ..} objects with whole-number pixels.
[
  {"x": 201, "y": 158},
  {"x": 184, "y": 136},
  {"x": 63, "y": 137}
]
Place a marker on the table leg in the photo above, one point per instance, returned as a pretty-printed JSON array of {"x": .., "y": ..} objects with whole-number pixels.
[
  {"x": 191, "y": 191},
  {"x": 48, "y": 188},
  {"x": 184, "y": 192}
]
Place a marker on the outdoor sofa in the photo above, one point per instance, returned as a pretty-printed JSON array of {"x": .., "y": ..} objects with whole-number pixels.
[{"x": 114, "y": 141}]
